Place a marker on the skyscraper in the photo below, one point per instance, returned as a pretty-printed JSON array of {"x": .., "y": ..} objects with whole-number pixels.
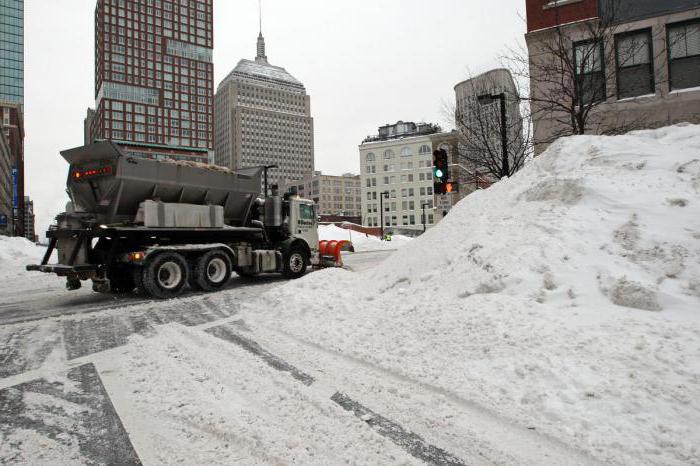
[
  {"x": 12, "y": 51},
  {"x": 154, "y": 77},
  {"x": 262, "y": 116},
  {"x": 12, "y": 100}
]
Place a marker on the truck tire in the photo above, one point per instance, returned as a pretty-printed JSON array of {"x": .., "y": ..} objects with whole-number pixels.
[
  {"x": 211, "y": 271},
  {"x": 295, "y": 262},
  {"x": 165, "y": 275}
]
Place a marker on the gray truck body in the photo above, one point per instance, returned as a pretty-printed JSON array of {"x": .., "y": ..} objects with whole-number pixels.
[{"x": 115, "y": 195}]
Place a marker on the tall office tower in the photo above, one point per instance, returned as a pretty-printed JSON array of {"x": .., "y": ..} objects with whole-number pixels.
[
  {"x": 12, "y": 51},
  {"x": 12, "y": 101},
  {"x": 262, "y": 116},
  {"x": 154, "y": 77}
]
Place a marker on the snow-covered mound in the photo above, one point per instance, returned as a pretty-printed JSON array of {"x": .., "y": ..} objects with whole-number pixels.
[
  {"x": 16, "y": 253},
  {"x": 566, "y": 298},
  {"x": 360, "y": 241}
]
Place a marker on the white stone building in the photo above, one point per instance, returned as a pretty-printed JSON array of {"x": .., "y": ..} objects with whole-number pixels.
[
  {"x": 398, "y": 162},
  {"x": 262, "y": 116}
]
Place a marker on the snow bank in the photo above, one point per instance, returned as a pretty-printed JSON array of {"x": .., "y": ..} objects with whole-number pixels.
[
  {"x": 361, "y": 241},
  {"x": 566, "y": 298},
  {"x": 16, "y": 253}
]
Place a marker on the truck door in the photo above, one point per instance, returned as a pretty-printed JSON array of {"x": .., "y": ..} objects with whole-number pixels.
[{"x": 303, "y": 224}]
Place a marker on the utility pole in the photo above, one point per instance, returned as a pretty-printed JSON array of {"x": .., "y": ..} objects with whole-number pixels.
[
  {"x": 381, "y": 208},
  {"x": 485, "y": 100}
]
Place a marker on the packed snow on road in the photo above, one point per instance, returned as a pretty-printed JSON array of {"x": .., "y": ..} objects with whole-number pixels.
[
  {"x": 553, "y": 318},
  {"x": 362, "y": 242}
]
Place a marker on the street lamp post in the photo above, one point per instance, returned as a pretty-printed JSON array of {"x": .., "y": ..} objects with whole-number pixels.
[
  {"x": 267, "y": 167},
  {"x": 423, "y": 206},
  {"x": 485, "y": 100},
  {"x": 381, "y": 208}
]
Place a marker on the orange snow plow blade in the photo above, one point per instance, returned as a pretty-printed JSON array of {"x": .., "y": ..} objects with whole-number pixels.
[{"x": 330, "y": 252}]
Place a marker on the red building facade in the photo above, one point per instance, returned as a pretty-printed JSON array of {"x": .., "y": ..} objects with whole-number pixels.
[
  {"x": 543, "y": 14},
  {"x": 13, "y": 127},
  {"x": 154, "y": 77}
]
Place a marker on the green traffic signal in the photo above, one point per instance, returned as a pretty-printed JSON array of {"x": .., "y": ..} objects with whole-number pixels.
[{"x": 438, "y": 173}]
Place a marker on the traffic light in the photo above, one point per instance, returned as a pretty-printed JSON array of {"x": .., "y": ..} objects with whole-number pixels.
[
  {"x": 441, "y": 171},
  {"x": 451, "y": 187}
]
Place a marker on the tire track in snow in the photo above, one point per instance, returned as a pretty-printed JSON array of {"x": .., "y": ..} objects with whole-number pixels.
[
  {"x": 496, "y": 438},
  {"x": 409, "y": 441}
]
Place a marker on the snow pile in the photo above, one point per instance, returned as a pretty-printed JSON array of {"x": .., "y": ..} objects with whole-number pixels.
[
  {"x": 566, "y": 299},
  {"x": 361, "y": 241},
  {"x": 16, "y": 253}
]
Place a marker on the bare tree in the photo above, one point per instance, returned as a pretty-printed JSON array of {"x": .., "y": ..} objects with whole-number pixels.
[
  {"x": 566, "y": 70},
  {"x": 492, "y": 131}
]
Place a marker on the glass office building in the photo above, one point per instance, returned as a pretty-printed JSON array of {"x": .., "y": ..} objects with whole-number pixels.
[{"x": 12, "y": 51}]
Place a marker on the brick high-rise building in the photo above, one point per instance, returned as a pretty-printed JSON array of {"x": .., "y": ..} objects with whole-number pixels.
[
  {"x": 12, "y": 101},
  {"x": 6, "y": 214},
  {"x": 154, "y": 77}
]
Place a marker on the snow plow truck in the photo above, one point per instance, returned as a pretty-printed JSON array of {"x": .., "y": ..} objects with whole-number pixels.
[{"x": 162, "y": 226}]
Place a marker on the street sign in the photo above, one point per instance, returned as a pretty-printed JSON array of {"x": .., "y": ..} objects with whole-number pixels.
[{"x": 15, "y": 195}]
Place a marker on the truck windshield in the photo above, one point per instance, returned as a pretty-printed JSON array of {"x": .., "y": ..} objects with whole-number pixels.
[{"x": 306, "y": 212}]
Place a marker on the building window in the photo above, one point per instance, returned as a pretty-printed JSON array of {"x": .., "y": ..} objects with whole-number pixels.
[
  {"x": 633, "y": 54},
  {"x": 389, "y": 154},
  {"x": 370, "y": 157},
  {"x": 684, "y": 54},
  {"x": 590, "y": 75},
  {"x": 406, "y": 152},
  {"x": 424, "y": 150}
]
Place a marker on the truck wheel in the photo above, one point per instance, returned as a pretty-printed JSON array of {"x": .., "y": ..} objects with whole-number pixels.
[
  {"x": 295, "y": 262},
  {"x": 165, "y": 275},
  {"x": 211, "y": 271}
]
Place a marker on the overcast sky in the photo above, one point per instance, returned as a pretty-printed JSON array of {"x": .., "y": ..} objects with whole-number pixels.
[{"x": 365, "y": 63}]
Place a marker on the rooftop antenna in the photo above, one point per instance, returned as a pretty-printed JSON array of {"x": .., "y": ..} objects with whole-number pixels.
[{"x": 260, "y": 57}]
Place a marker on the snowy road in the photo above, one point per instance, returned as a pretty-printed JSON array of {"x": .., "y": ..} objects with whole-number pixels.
[
  {"x": 87, "y": 378},
  {"x": 90, "y": 378}
]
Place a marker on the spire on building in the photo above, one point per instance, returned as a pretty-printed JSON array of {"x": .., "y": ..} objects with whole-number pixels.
[{"x": 260, "y": 57}]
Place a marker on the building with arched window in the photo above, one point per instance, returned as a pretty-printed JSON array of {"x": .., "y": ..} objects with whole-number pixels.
[{"x": 398, "y": 161}]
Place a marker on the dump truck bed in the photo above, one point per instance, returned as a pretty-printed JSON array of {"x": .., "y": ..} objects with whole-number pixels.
[{"x": 109, "y": 184}]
